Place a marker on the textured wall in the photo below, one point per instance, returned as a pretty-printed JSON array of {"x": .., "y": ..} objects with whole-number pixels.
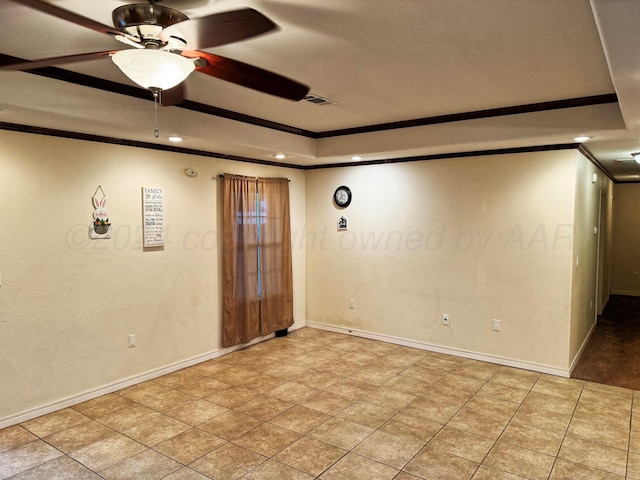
[{"x": 68, "y": 304}]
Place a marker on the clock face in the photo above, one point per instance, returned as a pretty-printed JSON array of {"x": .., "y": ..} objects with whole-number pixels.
[{"x": 342, "y": 196}]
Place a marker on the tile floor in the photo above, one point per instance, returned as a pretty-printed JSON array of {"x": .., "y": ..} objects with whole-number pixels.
[{"x": 322, "y": 405}]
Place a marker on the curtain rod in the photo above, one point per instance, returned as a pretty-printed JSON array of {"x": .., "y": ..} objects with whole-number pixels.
[{"x": 222, "y": 176}]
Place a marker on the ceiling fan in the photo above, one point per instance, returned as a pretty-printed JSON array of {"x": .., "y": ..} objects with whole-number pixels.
[{"x": 165, "y": 48}]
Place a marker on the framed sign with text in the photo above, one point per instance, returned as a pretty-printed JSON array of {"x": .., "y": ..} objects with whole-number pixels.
[{"x": 153, "y": 216}]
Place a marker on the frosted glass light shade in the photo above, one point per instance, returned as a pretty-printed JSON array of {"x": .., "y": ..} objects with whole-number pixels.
[
  {"x": 153, "y": 68},
  {"x": 636, "y": 157}
]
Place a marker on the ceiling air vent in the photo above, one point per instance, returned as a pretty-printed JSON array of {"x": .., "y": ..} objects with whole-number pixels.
[{"x": 318, "y": 100}]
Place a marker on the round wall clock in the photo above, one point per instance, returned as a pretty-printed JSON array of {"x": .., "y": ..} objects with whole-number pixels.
[{"x": 342, "y": 196}]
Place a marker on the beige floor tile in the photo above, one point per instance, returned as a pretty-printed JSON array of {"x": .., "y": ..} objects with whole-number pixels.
[
  {"x": 79, "y": 436},
  {"x": 564, "y": 470},
  {"x": 545, "y": 420},
  {"x": 408, "y": 384},
  {"x": 197, "y": 412},
  {"x": 264, "y": 407},
  {"x": 431, "y": 463},
  {"x": 190, "y": 445},
  {"x": 490, "y": 473},
  {"x": 463, "y": 444},
  {"x": 515, "y": 377},
  {"x": 265, "y": 383},
  {"x": 473, "y": 420},
  {"x": 318, "y": 404},
  {"x": 326, "y": 402},
  {"x": 25, "y": 457},
  {"x": 228, "y": 462},
  {"x": 54, "y": 422},
  {"x": 427, "y": 376},
  {"x": 550, "y": 403},
  {"x": 388, "y": 449},
  {"x": 61, "y": 468},
  {"x": 230, "y": 425},
  {"x": 267, "y": 439},
  {"x": 367, "y": 414},
  {"x": 107, "y": 452},
  {"x": 235, "y": 376},
  {"x": 310, "y": 455},
  {"x": 633, "y": 466},
  {"x": 293, "y": 392},
  {"x": 388, "y": 397},
  {"x": 201, "y": 386},
  {"x": 405, "y": 476},
  {"x": 148, "y": 464},
  {"x": 594, "y": 455},
  {"x": 300, "y": 419},
  {"x": 599, "y": 432},
  {"x": 156, "y": 430},
  {"x": 495, "y": 389},
  {"x": 634, "y": 442},
  {"x": 492, "y": 407},
  {"x": 349, "y": 388},
  {"x": 519, "y": 461},
  {"x": 128, "y": 417},
  {"x": 341, "y": 433},
  {"x": 167, "y": 401},
  {"x": 15, "y": 436},
  {"x": 474, "y": 368},
  {"x": 562, "y": 387},
  {"x": 411, "y": 427},
  {"x": 101, "y": 406},
  {"x": 232, "y": 397},
  {"x": 355, "y": 467},
  {"x": 185, "y": 473},
  {"x": 276, "y": 471},
  {"x": 536, "y": 439},
  {"x": 463, "y": 383},
  {"x": 603, "y": 414}
]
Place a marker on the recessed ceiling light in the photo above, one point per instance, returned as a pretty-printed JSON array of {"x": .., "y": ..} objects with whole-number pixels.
[
  {"x": 175, "y": 139},
  {"x": 280, "y": 156},
  {"x": 582, "y": 138},
  {"x": 356, "y": 158}
]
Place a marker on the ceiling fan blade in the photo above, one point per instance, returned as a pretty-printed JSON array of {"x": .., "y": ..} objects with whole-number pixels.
[
  {"x": 219, "y": 28},
  {"x": 50, "y": 62},
  {"x": 249, "y": 76},
  {"x": 173, "y": 96},
  {"x": 69, "y": 16}
]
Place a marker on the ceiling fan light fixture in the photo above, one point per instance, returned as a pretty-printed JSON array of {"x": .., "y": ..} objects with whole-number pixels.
[
  {"x": 636, "y": 157},
  {"x": 156, "y": 69}
]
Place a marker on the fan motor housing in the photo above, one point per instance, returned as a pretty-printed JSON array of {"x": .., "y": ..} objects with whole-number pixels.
[{"x": 145, "y": 21}]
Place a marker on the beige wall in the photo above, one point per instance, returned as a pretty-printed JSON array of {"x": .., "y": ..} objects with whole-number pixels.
[
  {"x": 626, "y": 234},
  {"x": 589, "y": 199},
  {"x": 477, "y": 238},
  {"x": 67, "y": 303}
]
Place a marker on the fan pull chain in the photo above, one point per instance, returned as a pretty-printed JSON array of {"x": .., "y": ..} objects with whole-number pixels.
[{"x": 156, "y": 132}]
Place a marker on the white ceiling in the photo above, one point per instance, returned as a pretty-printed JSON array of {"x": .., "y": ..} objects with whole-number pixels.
[{"x": 381, "y": 61}]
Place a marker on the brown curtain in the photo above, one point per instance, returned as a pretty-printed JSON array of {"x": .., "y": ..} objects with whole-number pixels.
[
  {"x": 241, "y": 307},
  {"x": 276, "y": 303},
  {"x": 257, "y": 272}
]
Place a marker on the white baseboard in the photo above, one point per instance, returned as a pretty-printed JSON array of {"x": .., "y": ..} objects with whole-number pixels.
[
  {"x": 128, "y": 382},
  {"x": 582, "y": 347},
  {"x": 446, "y": 350},
  {"x": 629, "y": 293}
]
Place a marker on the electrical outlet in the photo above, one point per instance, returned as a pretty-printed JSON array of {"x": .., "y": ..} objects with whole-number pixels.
[
  {"x": 445, "y": 319},
  {"x": 132, "y": 340},
  {"x": 352, "y": 303},
  {"x": 495, "y": 325}
]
